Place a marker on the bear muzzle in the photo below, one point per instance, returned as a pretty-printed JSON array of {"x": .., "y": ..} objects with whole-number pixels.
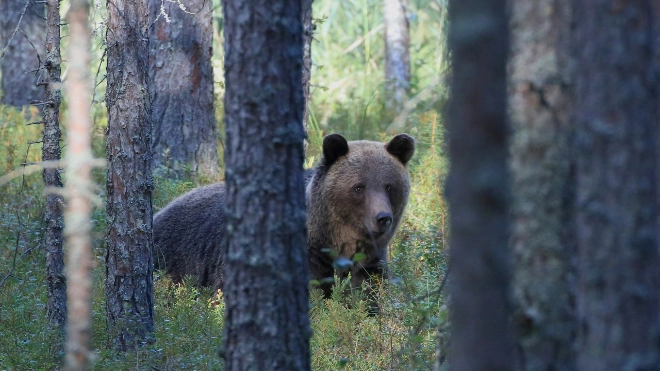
[
  {"x": 384, "y": 222},
  {"x": 380, "y": 225}
]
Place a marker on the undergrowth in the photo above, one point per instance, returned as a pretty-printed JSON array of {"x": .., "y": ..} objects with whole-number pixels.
[
  {"x": 348, "y": 81},
  {"x": 189, "y": 320}
]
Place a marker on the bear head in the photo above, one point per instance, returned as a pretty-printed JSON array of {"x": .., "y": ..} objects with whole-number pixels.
[{"x": 357, "y": 196}]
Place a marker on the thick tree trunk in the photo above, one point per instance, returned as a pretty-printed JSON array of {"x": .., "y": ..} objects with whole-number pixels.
[
  {"x": 617, "y": 187},
  {"x": 266, "y": 272},
  {"x": 129, "y": 261},
  {"x": 542, "y": 240},
  {"x": 20, "y": 50},
  {"x": 477, "y": 187},
  {"x": 181, "y": 87},
  {"x": 51, "y": 151},
  {"x": 397, "y": 54},
  {"x": 78, "y": 187}
]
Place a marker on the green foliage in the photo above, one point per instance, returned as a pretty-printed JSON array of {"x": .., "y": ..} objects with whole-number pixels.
[
  {"x": 348, "y": 82},
  {"x": 188, "y": 325},
  {"x": 348, "y": 74},
  {"x": 168, "y": 189}
]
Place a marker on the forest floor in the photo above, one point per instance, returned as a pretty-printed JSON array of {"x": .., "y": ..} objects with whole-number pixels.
[{"x": 189, "y": 320}]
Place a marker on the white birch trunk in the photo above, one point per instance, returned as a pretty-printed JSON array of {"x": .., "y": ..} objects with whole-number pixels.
[{"x": 397, "y": 54}]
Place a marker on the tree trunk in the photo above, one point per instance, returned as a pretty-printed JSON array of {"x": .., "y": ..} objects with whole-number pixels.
[
  {"x": 477, "y": 187},
  {"x": 50, "y": 151},
  {"x": 617, "y": 120},
  {"x": 129, "y": 261},
  {"x": 78, "y": 187},
  {"x": 181, "y": 87},
  {"x": 397, "y": 54},
  {"x": 266, "y": 272},
  {"x": 20, "y": 50},
  {"x": 308, "y": 34},
  {"x": 543, "y": 248}
]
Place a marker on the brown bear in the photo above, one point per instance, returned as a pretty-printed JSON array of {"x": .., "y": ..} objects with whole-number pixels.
[{"x": 355, "y": 200}]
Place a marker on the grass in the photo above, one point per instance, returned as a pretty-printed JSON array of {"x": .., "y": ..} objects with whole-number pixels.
[
  {"x": 348, "y": 78},
  {"x": 189, "y": 320}
]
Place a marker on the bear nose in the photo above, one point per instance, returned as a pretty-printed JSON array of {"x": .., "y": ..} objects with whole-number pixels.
[{"x": 384, "y": 220}]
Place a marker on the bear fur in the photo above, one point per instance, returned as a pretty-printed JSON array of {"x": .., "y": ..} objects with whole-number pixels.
[{"x": 355, "y": 199}]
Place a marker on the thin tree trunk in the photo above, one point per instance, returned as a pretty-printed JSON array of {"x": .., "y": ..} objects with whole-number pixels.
[
  {"x": 617, "y": 187},
  {"x": 397, "y": 54},
  {"x": 20, "y": 50},
  {"x": 308, "y": 35},
  {"x": 181, "y": 87},
  {"x": 129, "y": 261},
  {"x": 78, "y": 188},
  {"x": 477, "y": 187},
  {"x": 51, "y": 151},
  {"x": 266, "y": 272},
  {"x": 542, "y": 240}
]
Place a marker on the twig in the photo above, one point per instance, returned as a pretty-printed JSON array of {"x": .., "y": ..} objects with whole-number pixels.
[
  {"x": 44, "y": 103},
  {"x": 36, "y": 52},
  {"x": 434, "y": 292},
  {"x": 96, "y": 76},
  {"x": 11, "y": 36},
  {"x": 13, "y": 266},
  {"x": 164, "y": 14},
  {"x": 33, "y": 167},
  {"x": 16, "y": 256}
]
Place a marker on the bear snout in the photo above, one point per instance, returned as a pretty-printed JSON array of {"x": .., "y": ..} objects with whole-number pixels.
[{"x": 384, "y": 222}]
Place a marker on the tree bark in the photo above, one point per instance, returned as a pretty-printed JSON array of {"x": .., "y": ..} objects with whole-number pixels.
[
  {"x": 616, "y": 107},
  {"x": 181, "y": 87},
  {"x": 266, "y": 272},
  {"x": 477, "y": 187},
  {"x": 397, "y": 54},
  {"x": 308, "y": 36},
  {"x": 542, "y": 233},
  {"x": 51, "y": 151},
  {"x": 129, "y": 261},
  {"x": 79, "y": 188},
  {"x": 20, "y": 50}
]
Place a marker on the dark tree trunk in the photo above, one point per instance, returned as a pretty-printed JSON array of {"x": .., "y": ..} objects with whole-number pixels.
[
  {"x": 266, "y": 272},
  {"x": 542, "y": 240},
  {"x": 616, "y": 108},
  {"x": 477, "y": 187},
  {"x": 181, "y": 87},
  {"x": 397, "y": 53},
  {"x": 19, "y": 62},
  {"x": 308, "y": 34},
  {"x": 129, "y": 262},
  {"x": 55, "y": 281}
]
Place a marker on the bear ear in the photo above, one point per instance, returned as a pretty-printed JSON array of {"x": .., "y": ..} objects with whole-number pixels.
[
  {"x": 402, "y": 147},
  {"x": 334, "y": 146}
]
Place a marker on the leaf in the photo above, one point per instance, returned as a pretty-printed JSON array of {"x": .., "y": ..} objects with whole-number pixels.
[
  {"x": 329, "y": 280},
  {"x": 330, "y": 252},
  {"x": 342, "y": 263},
  {"x": 358, "y": 257}
]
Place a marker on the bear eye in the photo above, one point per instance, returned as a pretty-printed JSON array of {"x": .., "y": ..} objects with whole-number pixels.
[
  {"x": 358, "y": 189},
  {"x": 388, "y": 188}
]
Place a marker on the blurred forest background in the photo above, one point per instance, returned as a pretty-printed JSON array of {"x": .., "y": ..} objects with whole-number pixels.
[{"x": 348, "y": 97}]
